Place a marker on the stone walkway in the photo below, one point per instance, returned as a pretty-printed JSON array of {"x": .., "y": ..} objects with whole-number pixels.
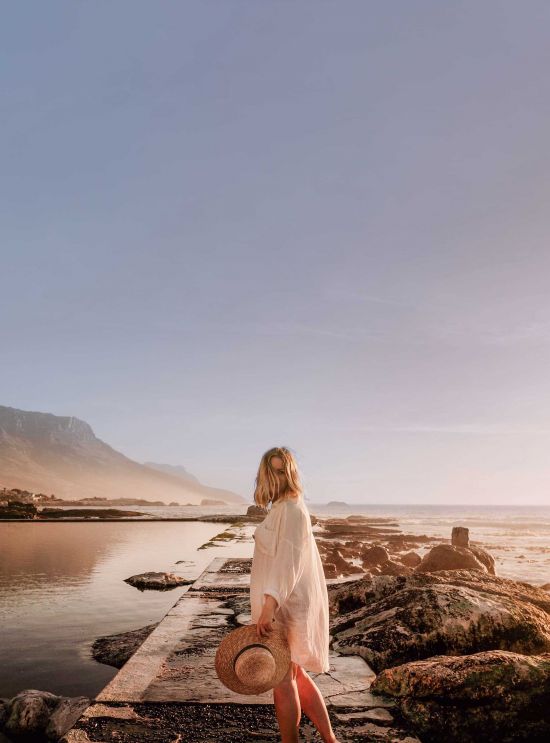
[{"x": 168, "y": 691}]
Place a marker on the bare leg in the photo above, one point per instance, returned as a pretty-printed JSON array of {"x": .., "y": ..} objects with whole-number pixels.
[
  {"x": 287, "y": 706},
  {"x": 313, "y": 705}
]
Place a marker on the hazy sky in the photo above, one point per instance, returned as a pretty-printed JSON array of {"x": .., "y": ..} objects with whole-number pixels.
[{"x": 232, "y": 225}]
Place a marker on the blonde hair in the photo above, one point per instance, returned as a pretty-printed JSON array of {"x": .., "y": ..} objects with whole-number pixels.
[{"x": 267, "y": 483}]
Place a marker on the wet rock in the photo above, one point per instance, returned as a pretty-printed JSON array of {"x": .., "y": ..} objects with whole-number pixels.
[
  {"x": 389, "y": 620},
  {"x": 495, "y": 696},
  {"x": 355, "y": 544},
  {"x": 65, "y": 716},
  {"x": 29, "y": 712},
  {"x": 484, "y": 557},
  {"x": 347, "y": 529},
  {"x": 157, "y": 581},
  {"x": 390, "y": 567},
  {"x": 450, "y": 557},
  {"x": 411, "y": 559},
  {"x": 333, "y": 556},
  {"x": 115, "y": 650},
  {"x": 374, "y": 555},
  {"x": 408, "y": 541}
]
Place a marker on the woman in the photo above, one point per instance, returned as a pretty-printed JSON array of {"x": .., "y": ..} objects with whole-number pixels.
[{"x": 287, "y": 585}]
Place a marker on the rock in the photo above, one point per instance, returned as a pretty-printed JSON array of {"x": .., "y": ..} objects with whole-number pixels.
[
  {"x": 29, "y": 712},
  {"x": 375, "y": 555},
  {"x": 411, "y": 559},
  {"x": 256, "y": 511},
  {"x": 115, "y": 650},
  {"x": 495, "y": 696},
  {"x": 333, "y": 556},
  {"x": 378, "y": 714},
  {"x": 4, "y": 711},
  {"x": 546, "y": 587},
  {"x": 329, "y": 570},
  {"x": 76, "y": 736},
  {"x": 346, "y": 552},
  {"x": 333, "y": 527},
  {"x": 389, "y": 620},
  {"x": 408, "y": 541},
  {"x": 356, "y": 544},
  {"x": 460, "y": 536},
  {"x": 212, "y": 502},
  {"x": 157, "y": 581},
  {"x": 449, "y": 557},
  {"x": 484, "y": 557},
  {"x": 65, "y": 716},
  {"x": 18, "y": 511},
  {"x": 390, "y": 567},
  {"x": 87, "y": 513}
]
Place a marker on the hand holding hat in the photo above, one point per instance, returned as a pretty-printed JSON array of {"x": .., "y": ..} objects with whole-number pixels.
[{"x": 248, "y": 665}]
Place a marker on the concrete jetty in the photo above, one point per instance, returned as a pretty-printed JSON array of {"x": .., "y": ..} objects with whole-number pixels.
[{"x": 168, "y": 691}]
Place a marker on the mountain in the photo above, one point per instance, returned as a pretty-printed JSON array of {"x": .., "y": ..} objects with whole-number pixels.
[
  {"x": 173, "y": 469},
  {"x": 178, "y": 471},
  {"x": 48, "y": 453}
]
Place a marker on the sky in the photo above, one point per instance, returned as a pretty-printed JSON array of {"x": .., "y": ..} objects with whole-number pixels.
[{"x": 227, "y": 226}]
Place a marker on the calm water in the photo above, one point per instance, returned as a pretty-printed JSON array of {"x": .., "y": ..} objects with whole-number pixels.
[{"x": 62, "y": 584}]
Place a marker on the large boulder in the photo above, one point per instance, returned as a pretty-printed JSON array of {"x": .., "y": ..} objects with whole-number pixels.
[
  {"x": 29, "y": 712},
  {"x": 495, "y": 696},
  {"x": 410, "y": 559},
  {"x": 389, "y": 620},
  {"x": 451, "y": 557},
  {"x": 374, "y": 555}
]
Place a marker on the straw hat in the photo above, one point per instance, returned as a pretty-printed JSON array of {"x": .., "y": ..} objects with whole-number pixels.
[{"x": 249, "y": 665}]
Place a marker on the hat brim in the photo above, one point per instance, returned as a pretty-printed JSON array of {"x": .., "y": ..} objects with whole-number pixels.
[{"x": 240, "y": 638}]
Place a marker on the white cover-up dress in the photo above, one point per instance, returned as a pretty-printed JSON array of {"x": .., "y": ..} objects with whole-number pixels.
[{"x": 287, "y": 565}]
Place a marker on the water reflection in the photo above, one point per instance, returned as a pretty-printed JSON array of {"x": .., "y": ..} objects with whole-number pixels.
[{"x": 62, "y": 586}]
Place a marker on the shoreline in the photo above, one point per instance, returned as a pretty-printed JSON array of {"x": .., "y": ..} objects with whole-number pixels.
[
  {"x": 512, "y": 562},
  {"x": 369, "y": 582}
]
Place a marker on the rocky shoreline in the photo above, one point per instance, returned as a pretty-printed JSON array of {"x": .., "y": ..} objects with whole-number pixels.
[{"x": 464, "y": 653}]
